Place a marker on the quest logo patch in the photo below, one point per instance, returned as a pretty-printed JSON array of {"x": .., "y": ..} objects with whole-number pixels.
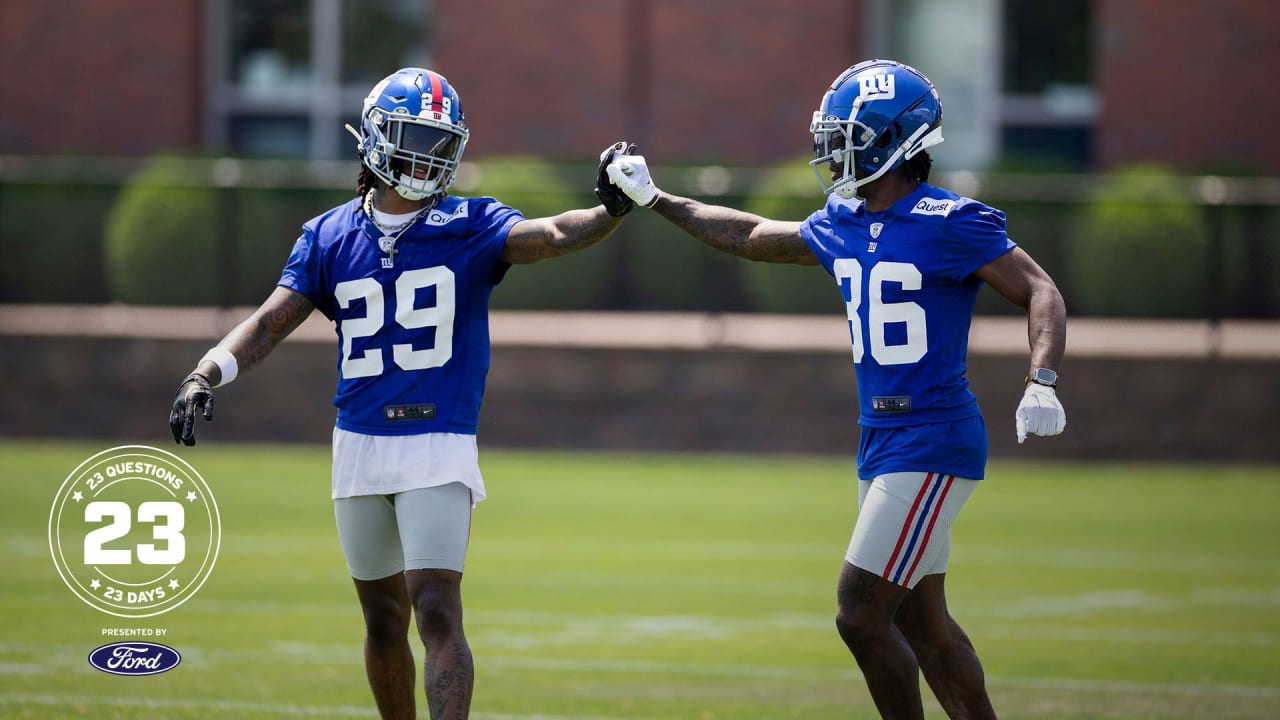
[
  {"x": 931, "y": 206},
  {"x": 135, "y": 658}
]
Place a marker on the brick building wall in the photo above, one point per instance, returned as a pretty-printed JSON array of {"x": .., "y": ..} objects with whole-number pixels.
[
  {"x": 101, "y": 77},
  {"x": 1189, "y": 83},
  {"x": 729, "y": 80}
]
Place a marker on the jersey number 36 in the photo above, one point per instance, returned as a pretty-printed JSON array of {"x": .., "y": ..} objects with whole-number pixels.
[
  {"x": 407, "y": 316},
  {"x": 880, "y": 313}
]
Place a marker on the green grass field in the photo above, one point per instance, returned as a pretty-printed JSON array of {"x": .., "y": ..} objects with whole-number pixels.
[{"x": 692, "y": 587}]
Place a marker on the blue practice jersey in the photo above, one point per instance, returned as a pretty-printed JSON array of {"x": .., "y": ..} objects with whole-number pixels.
[
  {"x": 413, "y": 327},
  {"x": 906, "y": 275}
]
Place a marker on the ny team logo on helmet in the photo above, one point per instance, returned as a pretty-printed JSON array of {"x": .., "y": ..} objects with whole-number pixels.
[
  {"x": 875, "y": 116},
  {"x": 412, "y": 132}
]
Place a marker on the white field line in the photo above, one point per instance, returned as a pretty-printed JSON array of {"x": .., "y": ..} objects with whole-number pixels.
[
  {"x": 1093, "y": 602},
  {"x": 851, "y": 674},
  {"x": 1136, "y": 688},
  {"x": 229, "y": 706},
  {"x": 1023, "y": 615},
  {"x": 1095, "y": 559},
  {"x": 751, "y": 672},
  {"x": 520, "y": 631},
  {"x": 1260, "y": 563},
  {"x": 1087, "y": 337},
  {"x": 963, "y": 553},
  {"x": 342, "y": 655},
  {"x": 276, "y": 710},
  {"x": 1110, "y": 636}
]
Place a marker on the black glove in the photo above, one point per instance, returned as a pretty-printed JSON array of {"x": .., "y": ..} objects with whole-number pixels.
[
  {"x": 193, "y": 394},
  {"x": 615, "y": 202}
]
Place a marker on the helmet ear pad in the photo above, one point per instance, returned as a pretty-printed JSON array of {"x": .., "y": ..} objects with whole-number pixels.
[{"x": 873, "y": 157}]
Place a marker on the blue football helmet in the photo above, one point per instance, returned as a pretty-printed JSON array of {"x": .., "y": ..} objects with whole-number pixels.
[
  {"x": 876, "y": 115},
  {"x": 412, "y": 132}
]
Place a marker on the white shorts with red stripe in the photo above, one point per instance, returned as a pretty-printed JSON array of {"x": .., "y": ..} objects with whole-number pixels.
[{"x": 904, "y": 524}]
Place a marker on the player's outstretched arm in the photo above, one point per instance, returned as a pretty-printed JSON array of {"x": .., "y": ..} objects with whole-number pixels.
[
  {"x": 737, "y": 232},
  {"x": 530, "y": 241},
  {"x": 245, "y": 346},
  {"x": 726, "y": 229},
  {"x": 1017, "y": 277},
  {"x": 541, "y": 238},
  {"x": 1023, "y": 282}
]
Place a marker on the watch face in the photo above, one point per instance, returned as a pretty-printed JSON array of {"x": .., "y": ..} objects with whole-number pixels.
[{"x": 1045, "y": 376}]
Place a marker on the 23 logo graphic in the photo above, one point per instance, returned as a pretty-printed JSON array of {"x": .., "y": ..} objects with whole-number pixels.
[{"x": 134, "y": 531}]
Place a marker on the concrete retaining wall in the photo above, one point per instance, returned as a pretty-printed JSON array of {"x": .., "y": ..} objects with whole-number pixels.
[{"x": 1194, "y": 409}]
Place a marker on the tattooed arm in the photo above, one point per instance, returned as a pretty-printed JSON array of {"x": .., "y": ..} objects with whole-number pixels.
[
  {"x": 248, "y": 344},
  {"x": 252, "y": 340},
  {"x": 540, "y": 238},
  {"x": 737, "y": 232}
]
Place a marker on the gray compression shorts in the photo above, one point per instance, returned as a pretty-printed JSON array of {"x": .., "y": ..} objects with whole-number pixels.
[{"x": 383, "y": 535}]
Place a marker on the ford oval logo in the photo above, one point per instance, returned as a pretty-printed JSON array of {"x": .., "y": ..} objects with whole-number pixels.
[{"x": 135, "y": 658}]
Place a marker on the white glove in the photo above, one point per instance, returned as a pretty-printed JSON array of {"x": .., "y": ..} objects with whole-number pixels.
[
  {"x": 631, "y": 174},
  {"x": 1039, "y": 413}
]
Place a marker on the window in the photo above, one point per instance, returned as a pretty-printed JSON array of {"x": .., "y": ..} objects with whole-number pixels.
[
  {"x": 1049, "y": 103},
  {"x": 270, "y": 48},
  {"x": 379, "y": 37},
  {"x": 1016, "y": 76},
  {"x": 286, "y": 75}
]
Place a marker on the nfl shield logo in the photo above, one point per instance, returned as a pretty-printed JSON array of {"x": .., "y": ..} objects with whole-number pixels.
[{"x": 875, "y": 229}]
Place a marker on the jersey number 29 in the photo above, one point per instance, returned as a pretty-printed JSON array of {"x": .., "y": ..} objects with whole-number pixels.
[
  {"x": 880, "y": 313},
  {"x": 407, "y": 316}
]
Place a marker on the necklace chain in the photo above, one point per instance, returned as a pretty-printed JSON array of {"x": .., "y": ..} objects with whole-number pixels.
[
  {"x": 390, "y": 234},
  {"x": 389, "y": 229}
]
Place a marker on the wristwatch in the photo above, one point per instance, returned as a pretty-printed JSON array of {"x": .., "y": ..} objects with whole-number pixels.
[{"x": 1043, "y": 376}]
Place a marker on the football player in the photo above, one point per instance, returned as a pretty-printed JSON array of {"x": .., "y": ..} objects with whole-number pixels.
[
  {"x": 404, "y": 271},
  {"x": 908, "y": 259}
]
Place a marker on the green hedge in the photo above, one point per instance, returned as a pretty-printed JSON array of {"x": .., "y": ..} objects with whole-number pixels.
[
  {"x": 51, "y": 242},
  {"x": 788, "y": 192},
  {"x": 539, "y": 188},
  {"x": 1044, "y": 230},
  {"x": 163, "y": 235},
  {"x": 1139, "y": 249},
  {"x": 669, "y": 270}
]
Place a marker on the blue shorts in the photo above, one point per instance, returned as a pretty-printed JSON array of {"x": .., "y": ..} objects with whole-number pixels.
[{"x": 956, "y": 447}]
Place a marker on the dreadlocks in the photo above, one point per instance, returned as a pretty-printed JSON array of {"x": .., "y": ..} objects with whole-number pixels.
[
  {"x": 917, "y": 168},
  {"x": 365, "y": 181}
]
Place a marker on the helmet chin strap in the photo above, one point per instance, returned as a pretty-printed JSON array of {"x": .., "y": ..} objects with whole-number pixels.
[
  {"x": 908, "y": 149},
  {"x": 408, "y": 194},
  {"x": 403, "y": 190}
]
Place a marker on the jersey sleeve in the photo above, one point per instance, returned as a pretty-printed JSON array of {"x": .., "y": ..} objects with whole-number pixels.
[
  {"x": 304, "y": 273},
  {"x": 817, "y": 233},
  {"x": 974, "y": 235},
  {"x": 491, "y": 220}
]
